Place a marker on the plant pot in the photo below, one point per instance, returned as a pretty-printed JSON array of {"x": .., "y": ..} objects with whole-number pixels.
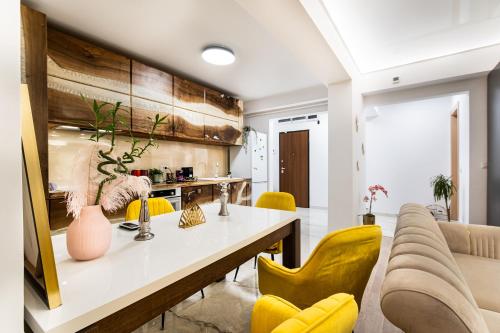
[
  {"x": 157, "y": 178},
  {"x": 368, "y": 219},
  {"x": 89, "y": 236}
]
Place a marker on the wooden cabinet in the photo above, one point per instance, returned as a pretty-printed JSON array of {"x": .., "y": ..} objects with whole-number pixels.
[
  {"x": 221, "y": 130},
  {"x": 143, "y": 113},
  {"x": 77, "y": 68},
  {"x": 241, "y": 193},
  {"x": 200, "y": 194},
  {"x": 151, "y": 83},
  {"x": 71, "y": 58},
  {"x": 220, "y": 105},
  {"x": 188, "y": 95},
  {"x": 188, "y": 124}
]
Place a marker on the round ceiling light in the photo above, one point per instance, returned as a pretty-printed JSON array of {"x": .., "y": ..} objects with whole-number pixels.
[{"x": 218, "y": 55}]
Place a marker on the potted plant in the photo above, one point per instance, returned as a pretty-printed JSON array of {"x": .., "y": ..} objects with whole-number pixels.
[
  {"x": 369, "y": 218},
  {"x": 245, "y": 136},
  {"x": 101, "y": 181},
  {"x": 155, "y": 175},
  {"x": 443, "y": 188}
]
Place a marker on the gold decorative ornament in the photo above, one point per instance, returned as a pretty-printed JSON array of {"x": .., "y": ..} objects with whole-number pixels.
[{"x": 191, "y": 216}]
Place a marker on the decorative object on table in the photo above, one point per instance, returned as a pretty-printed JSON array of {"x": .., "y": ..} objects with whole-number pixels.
[
  {"x": 438, "y": 211},
  {"x": 443, "y": 188},
  {"x": 144, "y": 221},
  {"x": 369, "y": 218},
  {"x": 192, "y": 214},
  {"x": 101, "y": 180},
  {"x": 246, "y": 133},
  {"x": 155, "y": 175},
  {"x": 39, "y": 260},
  {"x": 224, "y": 197}
]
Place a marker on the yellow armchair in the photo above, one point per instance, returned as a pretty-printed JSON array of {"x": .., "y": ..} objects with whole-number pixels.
[
  {"x": 157, "y": 206},
  {"x": 341, "y": 263},
  {"x": 335, "y": 314}
]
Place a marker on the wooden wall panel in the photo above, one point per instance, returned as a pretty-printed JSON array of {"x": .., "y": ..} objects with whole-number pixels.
[
  {"x": 188, "y": 124},
  {"x": 34, "y": 74},
  {"x": 73, "y": 59},
  {"x": 221, "y": 130},
  {"x": 144, "y": 110},
  {"x": 188, "y": 95},
  {"x": 68, "y": 108},
  {"x": 220, "y": 105},
  {"x": 151, "y": 83}
]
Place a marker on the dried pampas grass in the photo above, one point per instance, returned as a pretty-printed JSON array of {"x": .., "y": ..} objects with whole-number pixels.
[{"x": 122, "y": 190}]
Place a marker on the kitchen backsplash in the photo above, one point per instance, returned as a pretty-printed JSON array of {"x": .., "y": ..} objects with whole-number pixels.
[{"x": 64, "y": 145}]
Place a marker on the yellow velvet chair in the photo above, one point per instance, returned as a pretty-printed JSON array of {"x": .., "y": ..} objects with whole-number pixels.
[
  {"x": 273, "y": 200},
  {"x": 157, "y": 206},
  {"x": 341, "y": 263},
  {"x": 335, "y": 314}
]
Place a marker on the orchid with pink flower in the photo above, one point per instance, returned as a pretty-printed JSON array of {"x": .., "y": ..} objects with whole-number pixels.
[{"x": 373, "y": 189}]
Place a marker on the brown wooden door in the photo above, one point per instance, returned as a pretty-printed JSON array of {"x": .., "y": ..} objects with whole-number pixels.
[{"x": 294, "y": 165}]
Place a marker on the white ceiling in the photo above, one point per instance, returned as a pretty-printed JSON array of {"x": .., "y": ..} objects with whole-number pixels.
[
  {"x": 387, "y": 33},
  {"x": 172, "y": 33}
]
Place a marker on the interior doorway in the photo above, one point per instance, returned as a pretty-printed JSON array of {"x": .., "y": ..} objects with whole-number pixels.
[
  {"x": 455, "y": 161},
  {"x": 294, "y": 165}
]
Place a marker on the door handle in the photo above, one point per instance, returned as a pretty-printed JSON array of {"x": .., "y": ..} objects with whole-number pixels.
[{"x": 282, "y": 170}]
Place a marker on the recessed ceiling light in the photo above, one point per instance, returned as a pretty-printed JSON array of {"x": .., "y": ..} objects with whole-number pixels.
[{"x": 218, "y": 55}]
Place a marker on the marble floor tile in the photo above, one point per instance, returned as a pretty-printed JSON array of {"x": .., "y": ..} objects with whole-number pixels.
[{"x": 227, "y": 305}]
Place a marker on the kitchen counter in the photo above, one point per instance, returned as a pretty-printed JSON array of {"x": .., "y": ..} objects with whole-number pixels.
[{"x": 164, "y": 186}]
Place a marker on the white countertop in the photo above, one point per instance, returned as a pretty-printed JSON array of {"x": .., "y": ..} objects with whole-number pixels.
[{"x": 132, "y": 270}]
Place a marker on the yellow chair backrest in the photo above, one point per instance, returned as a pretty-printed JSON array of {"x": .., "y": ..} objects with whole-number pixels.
[
  {"x": 157, "y": 206},
  {"x": 276, "y": 200},
  {"x": 335, "y": 314},
  {"x": 341, "y": 262}
]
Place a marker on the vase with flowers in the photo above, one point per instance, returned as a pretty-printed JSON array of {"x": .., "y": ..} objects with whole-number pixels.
[
  {"x": 369, "y": 218},
  {"x": 101, "y": 181}
]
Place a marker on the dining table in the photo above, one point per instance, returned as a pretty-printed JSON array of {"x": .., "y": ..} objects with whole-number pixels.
[{"x": 136, "y": 281}]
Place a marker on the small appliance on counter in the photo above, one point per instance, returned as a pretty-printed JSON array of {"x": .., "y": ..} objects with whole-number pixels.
[
  {"x": 185, "y": 175},
  {"x": 169, "y": 175},
  {"x": 172, "y": 195},
  {"x": 187, "y": 172},
  {"x": 140, "y": 172}
]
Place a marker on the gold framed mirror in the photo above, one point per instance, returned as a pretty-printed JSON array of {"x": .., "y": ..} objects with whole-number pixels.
[{"x": 39, "y": 263}]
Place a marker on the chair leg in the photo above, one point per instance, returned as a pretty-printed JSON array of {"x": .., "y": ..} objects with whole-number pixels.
[
  {"x": 272, "y": 256},
  {"x": 163, "y": 321},
  {"x": 255, "y": 262},
  {"x": 236, "y": 273},
  {"x": 202, "y": 294}
]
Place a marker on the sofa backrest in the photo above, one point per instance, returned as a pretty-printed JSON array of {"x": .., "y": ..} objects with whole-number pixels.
[{"x": 424, "y": 290}]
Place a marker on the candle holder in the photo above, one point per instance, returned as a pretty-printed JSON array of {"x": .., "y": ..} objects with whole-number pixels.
[
  {"x": 144, "y": 224},
  {"x": 224, "y": 197}
]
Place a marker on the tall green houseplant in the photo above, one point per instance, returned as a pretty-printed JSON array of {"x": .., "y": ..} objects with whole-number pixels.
[{"x": 443, "y": 189}]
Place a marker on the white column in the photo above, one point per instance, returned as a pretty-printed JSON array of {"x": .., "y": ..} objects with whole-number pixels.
[
  {"x": 11, "y": 223},
  {"x": 342, "y": 183}
]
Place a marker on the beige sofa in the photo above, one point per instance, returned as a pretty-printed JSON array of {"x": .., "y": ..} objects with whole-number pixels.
[{"x": 442, "y": 277}]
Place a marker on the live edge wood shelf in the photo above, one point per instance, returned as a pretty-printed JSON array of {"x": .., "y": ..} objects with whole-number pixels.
[{"x": 193, "y": 112}]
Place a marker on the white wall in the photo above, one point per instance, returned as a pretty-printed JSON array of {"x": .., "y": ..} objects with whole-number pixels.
[
  {"x": 406, "y": 145},
  {"x": 477, "y": 119},
  {"x": 11, "y": 236},
  {"x": 318, "y": 156}
]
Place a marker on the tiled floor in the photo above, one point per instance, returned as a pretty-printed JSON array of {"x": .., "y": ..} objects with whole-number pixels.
[{"x": 228, "y": 305}]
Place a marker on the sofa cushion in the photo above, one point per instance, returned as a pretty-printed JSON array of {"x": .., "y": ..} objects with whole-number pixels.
[
  {"x": 457, "y": 236},
  {"x": 483, "y": 277},
  {"x": 492, "y": 320}
]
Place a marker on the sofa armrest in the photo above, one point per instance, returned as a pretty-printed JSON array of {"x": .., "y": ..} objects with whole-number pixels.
[
  {"x": 484, "y": 241},
  {"x": 269, "y": 312},
  {"x": 457, "y": 236},
  {"x": 473, "y": 239}
]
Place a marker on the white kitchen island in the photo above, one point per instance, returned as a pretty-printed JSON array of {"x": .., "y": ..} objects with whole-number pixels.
[{"x": 137, "y": 281}]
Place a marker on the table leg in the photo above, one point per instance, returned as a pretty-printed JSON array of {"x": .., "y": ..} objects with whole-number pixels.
[{"x": 291, "y": 246}]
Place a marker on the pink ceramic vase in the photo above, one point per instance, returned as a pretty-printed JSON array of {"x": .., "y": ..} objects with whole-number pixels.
[{"x": 89, "y": 236}]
